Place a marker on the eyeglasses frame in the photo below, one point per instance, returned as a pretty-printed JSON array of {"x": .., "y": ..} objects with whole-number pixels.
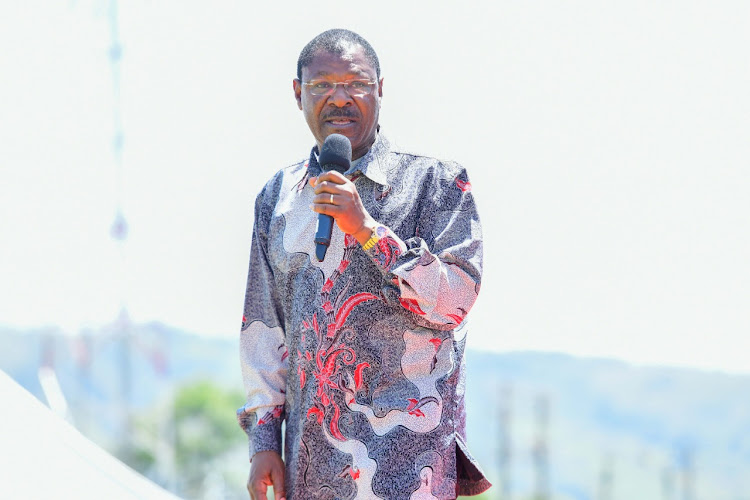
[{"x": 335, "y": 84}]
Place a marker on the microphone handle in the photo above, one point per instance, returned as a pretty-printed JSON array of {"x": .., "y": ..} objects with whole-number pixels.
[{"x": 323, "y": 235}]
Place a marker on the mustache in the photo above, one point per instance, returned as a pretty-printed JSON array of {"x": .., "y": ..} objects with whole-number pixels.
[{"x": 340, "y": 113}]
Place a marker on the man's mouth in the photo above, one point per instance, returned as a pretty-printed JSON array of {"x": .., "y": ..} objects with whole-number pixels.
[
  {"x": 340, "y": 117},
  {"x": 340, "y": 121}
]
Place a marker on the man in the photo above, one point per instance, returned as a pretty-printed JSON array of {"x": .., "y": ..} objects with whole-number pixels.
[{"x": 361, "y": 354}]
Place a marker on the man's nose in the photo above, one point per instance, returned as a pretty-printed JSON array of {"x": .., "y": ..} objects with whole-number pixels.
[{"x": 340, "y": 96}]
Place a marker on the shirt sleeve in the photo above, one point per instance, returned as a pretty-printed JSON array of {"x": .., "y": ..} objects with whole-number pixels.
[
  {"x": 436, "y": 273},
  {"x": 263, "y": 352}
]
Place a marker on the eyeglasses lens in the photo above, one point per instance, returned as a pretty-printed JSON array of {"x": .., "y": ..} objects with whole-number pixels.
[{"x": 356, "y": 88}]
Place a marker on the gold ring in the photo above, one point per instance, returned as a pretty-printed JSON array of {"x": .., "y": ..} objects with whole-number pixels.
[{"x": 331, "y": 199}]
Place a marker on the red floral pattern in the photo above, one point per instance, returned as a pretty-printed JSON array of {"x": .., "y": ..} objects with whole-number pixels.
[{"x": 331, "y": 354}]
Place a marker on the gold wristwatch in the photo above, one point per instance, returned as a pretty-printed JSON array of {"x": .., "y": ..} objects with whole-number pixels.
[{"x": 377, "y": 233}]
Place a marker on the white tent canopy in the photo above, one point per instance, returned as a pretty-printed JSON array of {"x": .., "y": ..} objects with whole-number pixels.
[{"x": 42, "y": 456}]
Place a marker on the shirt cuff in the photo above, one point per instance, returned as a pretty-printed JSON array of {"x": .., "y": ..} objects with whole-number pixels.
[{"x": 263, "y": 434}]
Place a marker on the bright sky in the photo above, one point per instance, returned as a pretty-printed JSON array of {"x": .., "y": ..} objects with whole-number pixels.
[{"x": 607, "y": 144}]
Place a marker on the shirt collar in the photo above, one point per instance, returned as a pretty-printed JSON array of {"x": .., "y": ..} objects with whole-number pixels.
[{"x": 372, "y": 165}]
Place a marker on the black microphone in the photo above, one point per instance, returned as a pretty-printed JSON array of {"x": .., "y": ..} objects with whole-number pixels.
[{"x": 336, "y": 154}]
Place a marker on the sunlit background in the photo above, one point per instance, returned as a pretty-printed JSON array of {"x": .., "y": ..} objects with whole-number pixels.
[{"x": 608, "y": 148}]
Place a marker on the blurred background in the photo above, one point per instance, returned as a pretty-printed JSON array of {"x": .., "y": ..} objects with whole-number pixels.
[{"x": 608, "y": 149}]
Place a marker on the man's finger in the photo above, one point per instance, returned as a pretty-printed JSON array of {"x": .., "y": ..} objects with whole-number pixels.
[
  {"x": 334, "y": 211},
  {"x": 329, "y": 187},
  {"x": 325, "y": 199},
  {"x": 277, "y": 476},
  {"x": 324, "y": 186},
  {"x": 257, "y": 490},
  {"x": 332, "y": 176}
]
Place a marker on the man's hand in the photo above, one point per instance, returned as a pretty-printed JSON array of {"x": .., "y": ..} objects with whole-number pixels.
[
  {"x": 266, "y": 470},
  {"x": 335, "y": 195}
]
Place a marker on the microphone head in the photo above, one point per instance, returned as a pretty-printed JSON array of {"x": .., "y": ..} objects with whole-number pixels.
[{"x": 336, "y": 153}]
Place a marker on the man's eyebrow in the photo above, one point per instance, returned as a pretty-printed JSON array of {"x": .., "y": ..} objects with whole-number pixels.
[{"x": 352, "y": 73}]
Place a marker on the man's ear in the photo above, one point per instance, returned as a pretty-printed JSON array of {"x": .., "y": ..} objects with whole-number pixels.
[
  {"x": 380, "y": 88},
  {"x": 297, "y": 92}
]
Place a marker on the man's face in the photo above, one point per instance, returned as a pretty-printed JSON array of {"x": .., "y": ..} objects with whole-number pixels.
[{"x": 355, "y": 117}]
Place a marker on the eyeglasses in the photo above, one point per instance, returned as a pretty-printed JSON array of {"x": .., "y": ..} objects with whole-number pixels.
[{"x": 355, "y": 88}]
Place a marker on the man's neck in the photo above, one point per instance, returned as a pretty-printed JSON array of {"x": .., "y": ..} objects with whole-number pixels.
[{"x": 356, "y": 155}]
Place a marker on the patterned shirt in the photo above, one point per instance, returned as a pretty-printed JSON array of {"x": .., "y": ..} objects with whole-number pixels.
[{"x": 362, "y": 354}]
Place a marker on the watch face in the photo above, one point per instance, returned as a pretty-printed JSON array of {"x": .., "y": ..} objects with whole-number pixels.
[{"x": 381, "y": 231}]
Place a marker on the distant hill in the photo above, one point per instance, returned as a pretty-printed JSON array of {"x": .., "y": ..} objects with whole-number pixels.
[
  {"x": 584, "y": 429},
  {"x": 614, "y": 430}
]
